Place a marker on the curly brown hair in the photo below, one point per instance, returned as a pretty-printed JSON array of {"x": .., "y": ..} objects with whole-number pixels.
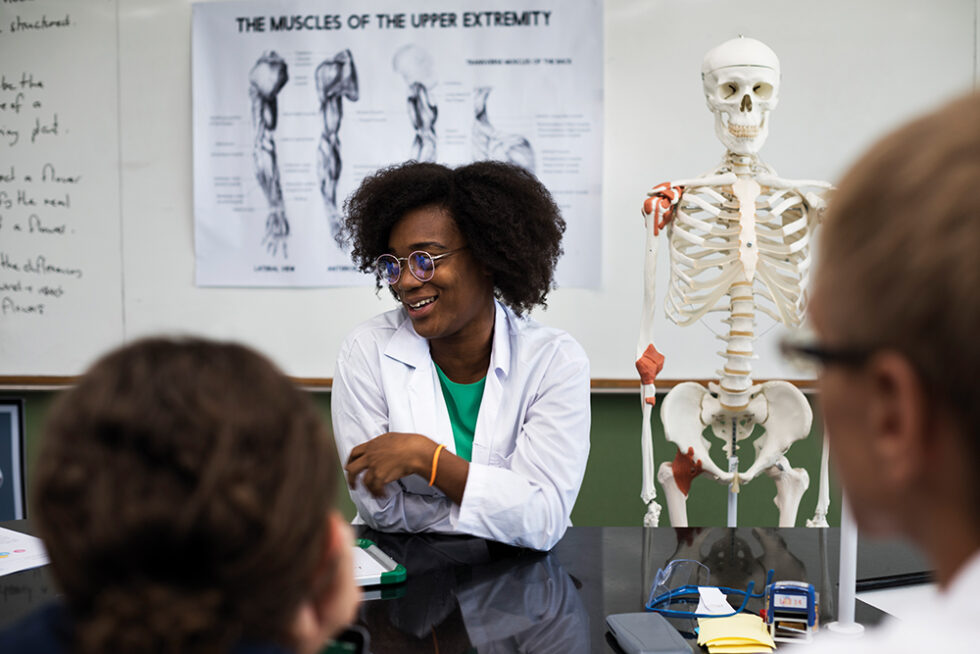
[
  {"x": 509, "y": 220},
  {"x": 182, "y": 491}
]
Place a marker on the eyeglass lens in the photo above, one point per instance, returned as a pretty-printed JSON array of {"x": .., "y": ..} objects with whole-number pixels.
[
  {"x": 388, "y": 268},
  {"x": 420, "y": 264}
]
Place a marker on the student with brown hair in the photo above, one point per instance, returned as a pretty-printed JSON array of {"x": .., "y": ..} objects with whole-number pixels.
[
  {"x": 184, "y": 493},
  {"x": 896, "y": 306}
]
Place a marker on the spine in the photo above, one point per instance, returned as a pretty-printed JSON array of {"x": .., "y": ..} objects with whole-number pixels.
[{"x": 736, "y": 376}]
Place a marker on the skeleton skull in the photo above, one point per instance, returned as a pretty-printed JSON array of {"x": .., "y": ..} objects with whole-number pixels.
[{"x": 741, "y": 86}]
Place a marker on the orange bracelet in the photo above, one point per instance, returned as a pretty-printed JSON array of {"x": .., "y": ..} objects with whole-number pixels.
[{"x": 435, "y": 464}]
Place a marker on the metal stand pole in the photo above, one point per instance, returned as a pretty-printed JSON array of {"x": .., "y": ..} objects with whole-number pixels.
[
  {"x": 733, "y": 487},
  {"x": 845, "y": 623}
]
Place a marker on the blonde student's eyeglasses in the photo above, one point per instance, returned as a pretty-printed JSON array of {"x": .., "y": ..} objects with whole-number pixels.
[{"x": 805, "y": 353}]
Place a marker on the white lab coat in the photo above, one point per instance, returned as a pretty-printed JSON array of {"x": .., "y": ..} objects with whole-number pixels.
[
  {"x": 947, "y": 623},
  {"x": 530, "y": 445}
]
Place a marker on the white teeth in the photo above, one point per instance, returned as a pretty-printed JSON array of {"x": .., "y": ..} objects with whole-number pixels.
[
  {"x": 422, "y": 303},
  {"x": 743, "y": 131}
]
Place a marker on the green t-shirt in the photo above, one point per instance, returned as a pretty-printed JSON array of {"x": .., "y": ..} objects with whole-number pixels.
[{"x": 463, "y": 403}]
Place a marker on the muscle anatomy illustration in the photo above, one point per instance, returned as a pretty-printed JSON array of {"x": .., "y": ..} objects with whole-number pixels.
[
  {"x": 415, "y": 66},
  {"x": 266, "y": 79},
  {"x": 336, "y": 79},
  {"x": 489, "y": 143}
]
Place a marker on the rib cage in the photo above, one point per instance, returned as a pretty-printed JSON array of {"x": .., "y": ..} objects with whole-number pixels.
[{"x": 704, "y": 253}]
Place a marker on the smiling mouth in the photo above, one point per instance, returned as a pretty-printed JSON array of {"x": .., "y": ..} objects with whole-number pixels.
[{"x": 421, "y": 303}]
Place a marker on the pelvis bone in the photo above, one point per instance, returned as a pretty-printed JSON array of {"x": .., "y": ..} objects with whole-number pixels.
[{"x": 691, "y": 410}]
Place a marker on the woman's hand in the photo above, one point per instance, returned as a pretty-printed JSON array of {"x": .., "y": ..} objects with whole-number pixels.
[{"x": 388, "y": 457}]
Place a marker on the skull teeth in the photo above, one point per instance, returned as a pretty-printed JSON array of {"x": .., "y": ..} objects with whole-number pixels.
[
  {"x": 422, "y": 303},
  {"x": 743, "y": 131}
]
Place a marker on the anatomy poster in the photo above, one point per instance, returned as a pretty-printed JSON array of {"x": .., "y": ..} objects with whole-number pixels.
[{"x": 296, "y": 102}]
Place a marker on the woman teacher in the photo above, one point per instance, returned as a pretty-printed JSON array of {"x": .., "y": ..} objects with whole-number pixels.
[{"x": 455, "y": 413}]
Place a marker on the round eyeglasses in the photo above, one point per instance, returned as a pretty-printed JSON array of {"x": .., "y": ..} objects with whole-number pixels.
[{"x": 421, "y": 264}]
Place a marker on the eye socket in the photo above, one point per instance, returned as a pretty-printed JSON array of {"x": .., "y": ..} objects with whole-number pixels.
[
  {"x": 727, "y": 90},
  {"x": 763, "y": 90}
]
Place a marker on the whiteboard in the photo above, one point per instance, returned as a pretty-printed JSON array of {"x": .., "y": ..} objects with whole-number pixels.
[
  {"x": 60, "y": 265},
  {"x": 121, "y": 79}
]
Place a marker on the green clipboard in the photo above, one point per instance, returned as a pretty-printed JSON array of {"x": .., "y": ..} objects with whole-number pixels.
[{"x": 372, "y": 567}]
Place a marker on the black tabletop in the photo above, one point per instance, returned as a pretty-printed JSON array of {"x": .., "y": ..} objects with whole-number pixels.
[{"x": 467, "y": 594}]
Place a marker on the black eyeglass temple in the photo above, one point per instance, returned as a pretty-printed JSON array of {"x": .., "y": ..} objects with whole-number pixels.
[{"x": 850, "y": 356}]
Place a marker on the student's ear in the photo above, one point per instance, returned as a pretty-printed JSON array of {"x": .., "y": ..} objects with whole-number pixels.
[
  {"x": 899, "y": 415},
  {"x": 332, "y": 604}
]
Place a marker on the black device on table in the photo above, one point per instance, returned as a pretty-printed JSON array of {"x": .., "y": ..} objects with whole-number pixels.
[
  {"x": 353, "y": 640},
  {"x": 646, "y": 633}
]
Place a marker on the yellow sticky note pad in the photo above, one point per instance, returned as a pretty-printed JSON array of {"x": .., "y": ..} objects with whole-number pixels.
[
  {"x": 735, "y": 642},
  {"x": 742, "y": 630},
  {"x": 738, "y": 649}
]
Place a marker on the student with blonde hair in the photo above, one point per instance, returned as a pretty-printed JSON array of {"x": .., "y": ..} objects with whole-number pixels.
[{"x": 896, "y": 306}]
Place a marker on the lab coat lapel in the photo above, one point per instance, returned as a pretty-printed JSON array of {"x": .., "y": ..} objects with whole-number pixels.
[
  {"x": 499, "y": 369},
  {"x": 429, "y": 416}
]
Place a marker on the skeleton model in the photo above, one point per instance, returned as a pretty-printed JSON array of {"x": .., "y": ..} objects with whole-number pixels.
[
  {"x": 266, "y": 79},
  {"x": 739, "y": 241},
  {"x": 415, "y": 66},
  {"x": 488, "y": 143},
  {"x": 336, "y": 79}
]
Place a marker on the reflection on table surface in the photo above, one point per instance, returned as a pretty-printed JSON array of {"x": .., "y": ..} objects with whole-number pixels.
[
  {"x": 470, "y": 595},
  {"x": 467, "y": 594}
]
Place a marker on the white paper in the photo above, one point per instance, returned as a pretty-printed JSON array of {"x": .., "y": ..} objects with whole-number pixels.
[
  {"x": 316, "y": 96},
  {"x": 20, "y": 552},
  {"x": 713, "y": 601},
  {"x": 367, "y": 569}
]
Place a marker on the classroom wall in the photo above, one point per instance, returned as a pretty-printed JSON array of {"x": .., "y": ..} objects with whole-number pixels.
[
  {"x": 120, "y": 83},
  {"x": 610, "y": 493}
]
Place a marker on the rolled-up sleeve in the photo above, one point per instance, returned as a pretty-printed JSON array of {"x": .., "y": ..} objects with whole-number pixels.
[{"x": 359, "y": 413}]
